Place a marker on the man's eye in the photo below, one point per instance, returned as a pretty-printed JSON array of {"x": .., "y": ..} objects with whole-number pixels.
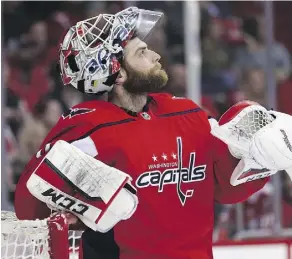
[{"x": 143, "y": 51}]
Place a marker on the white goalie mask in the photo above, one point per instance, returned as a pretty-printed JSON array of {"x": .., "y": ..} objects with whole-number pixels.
[{"x": 91, "y": 51}]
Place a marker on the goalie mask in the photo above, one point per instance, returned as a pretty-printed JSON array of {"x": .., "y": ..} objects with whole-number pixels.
[{"x": 91, "y": 52}]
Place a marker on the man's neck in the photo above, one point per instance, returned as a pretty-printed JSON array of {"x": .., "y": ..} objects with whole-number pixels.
[
  {"x": 126, "y": 100},
  {"x": 254, "y": 46}
]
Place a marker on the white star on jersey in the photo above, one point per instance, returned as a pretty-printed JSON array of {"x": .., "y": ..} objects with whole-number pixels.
[
  {"x": 154, "y": 158},
  {"x": 164, "y": 156},
  {"x": 173, "y": 156}
]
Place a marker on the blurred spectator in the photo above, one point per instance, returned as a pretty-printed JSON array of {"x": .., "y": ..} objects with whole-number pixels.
[
  {"x": 177, "y": 81},
  {"x": 215, "y": 56},
  {"x": 210, "y": 7},
  {"x": 48, "y": 112},
  {"x": 30, "y": 138},
  {"x": 11, "y": 112},
  {"x": 254, "y": 53},
  {"x": 10, "y": 143},
  {"x": 52, "y": 114},
  {"x": 32, "y": 133},
  {"x": 177, "y": 72},
  {"x": 32, "y": 45},
  {"x": 12, "y": 151},
  {"x": 71, "y": 97},
  {"x": 216, "y": 71},
  {"x": 257, "y": 214},
  {"x": 287, "y": 201},
  {"x": 252, "y": 86},
  {"x": 284, "y": 96},
  {"x": 16, "y": 24},
  {"x": 29, "y": 80}
]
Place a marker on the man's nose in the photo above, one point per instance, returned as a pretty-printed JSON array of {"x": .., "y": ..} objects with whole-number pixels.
[{"x": 156, "y": 57}]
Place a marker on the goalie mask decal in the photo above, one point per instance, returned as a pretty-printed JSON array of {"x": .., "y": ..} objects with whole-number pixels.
[{"x": 76, "y": 111}]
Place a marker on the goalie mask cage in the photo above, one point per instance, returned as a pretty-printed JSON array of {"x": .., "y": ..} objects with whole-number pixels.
[{"x": 37, "y": 239}]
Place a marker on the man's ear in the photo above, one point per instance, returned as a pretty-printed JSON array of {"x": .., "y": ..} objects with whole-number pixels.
[{"x": 122, "y": 77}]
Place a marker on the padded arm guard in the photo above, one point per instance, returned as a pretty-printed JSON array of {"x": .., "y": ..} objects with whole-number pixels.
[{"x": 67, "y": 179}]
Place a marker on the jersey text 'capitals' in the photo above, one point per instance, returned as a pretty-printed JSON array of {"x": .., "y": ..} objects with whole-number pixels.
[{"x": 178, "y": 175}]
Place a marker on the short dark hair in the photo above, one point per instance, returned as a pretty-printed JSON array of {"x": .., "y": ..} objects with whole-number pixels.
[{"x": 250, "y": 26}]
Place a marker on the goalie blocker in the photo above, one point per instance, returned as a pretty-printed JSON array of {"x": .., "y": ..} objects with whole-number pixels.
[{"x": 67, "y": 179}]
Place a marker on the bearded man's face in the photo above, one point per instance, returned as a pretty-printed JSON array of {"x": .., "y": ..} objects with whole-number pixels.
[{"x": 144, "y": 72}]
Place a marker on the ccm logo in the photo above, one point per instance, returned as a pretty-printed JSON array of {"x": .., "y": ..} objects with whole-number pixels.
[
  {"x": 259, "y": 176},
  {"x": 66, "y": 202}
]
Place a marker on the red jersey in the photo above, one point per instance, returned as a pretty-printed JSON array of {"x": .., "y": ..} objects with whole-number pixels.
[{"x": 178, "y": 167}]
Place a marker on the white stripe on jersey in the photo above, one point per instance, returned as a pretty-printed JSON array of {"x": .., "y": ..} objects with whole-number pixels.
[{"x": 86, "y": 145}]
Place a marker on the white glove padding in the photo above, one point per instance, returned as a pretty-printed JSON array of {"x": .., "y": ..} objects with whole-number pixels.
[
  {"x": 272, "y": 145},
  {"x": 248, "y": 129},
  {"x": 67, "y": 179}
]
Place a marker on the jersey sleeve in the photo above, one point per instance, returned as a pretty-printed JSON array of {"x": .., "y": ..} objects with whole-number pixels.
[{"x": 224, "y": 164}]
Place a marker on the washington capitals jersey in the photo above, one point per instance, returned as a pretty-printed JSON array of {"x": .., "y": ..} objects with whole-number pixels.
[{"x": 177, "y": 166}]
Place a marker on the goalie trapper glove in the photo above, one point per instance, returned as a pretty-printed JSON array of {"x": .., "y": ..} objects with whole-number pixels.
[
  {"x": 67, "y": 179},
  {"x": 258, "y": 137}
]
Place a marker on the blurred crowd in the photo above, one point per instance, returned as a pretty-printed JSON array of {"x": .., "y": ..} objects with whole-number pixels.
[{"x": 234, "y": 61}]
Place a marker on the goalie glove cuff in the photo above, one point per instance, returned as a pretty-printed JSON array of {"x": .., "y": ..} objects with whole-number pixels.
[{"x": 248, "y": 170}]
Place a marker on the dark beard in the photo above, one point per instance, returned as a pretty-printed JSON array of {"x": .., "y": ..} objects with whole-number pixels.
[{"x": 141, "y": 83}]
